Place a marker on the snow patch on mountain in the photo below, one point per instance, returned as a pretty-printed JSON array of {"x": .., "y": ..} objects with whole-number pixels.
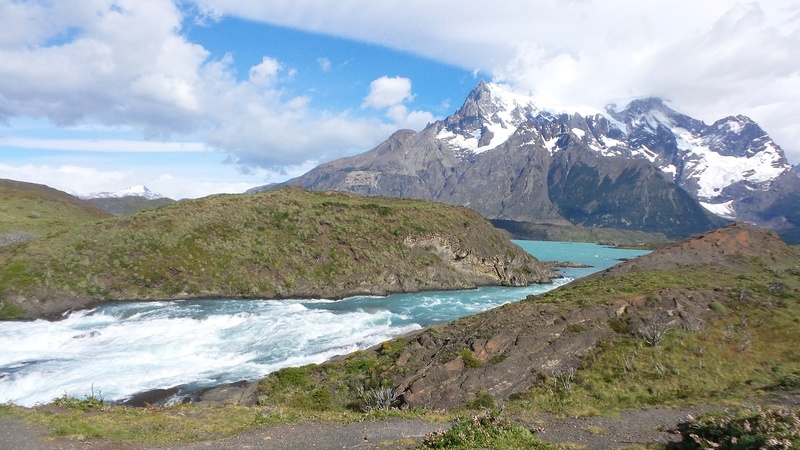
[
  {"x": 498, "y": 120},
  {"x": 714, "y": 171},
  {"x": 703, "y": 159},
  {"x": 724, "y": 210},
  {"x": 133, "y": 191}
]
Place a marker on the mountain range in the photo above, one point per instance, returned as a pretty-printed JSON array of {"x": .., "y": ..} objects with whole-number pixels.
[
  {"x": 127, "y": 201},
  {"x": 133, "y": 191},
  {"x": 641, "y": 167}
]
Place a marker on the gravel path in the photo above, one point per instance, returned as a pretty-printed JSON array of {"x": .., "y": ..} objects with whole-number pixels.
[
  {"x": 592, "y": 433},
  {"x": 648, "y": 426}
]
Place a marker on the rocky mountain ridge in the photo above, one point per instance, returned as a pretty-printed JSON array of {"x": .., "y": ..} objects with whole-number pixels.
[{"x": 644, "y": 167}]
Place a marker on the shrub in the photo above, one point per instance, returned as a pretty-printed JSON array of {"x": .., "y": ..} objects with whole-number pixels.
[
  {"x": 87, "y": 403},
  {"x": 717, "y": 307},
  {"x": 482, "y": 401},
  {"x": 380, "y": 398},
  {"x": 790, "y": 381},
  {"x": 776, "y": 428},
  {"x": 470, "y": 361},
  {"x": 619, "y": 326},
  {"x": 317, "y": 400},
  {"x": 293, "y": 376},
  {"x": 485, "y": 431},
  {"x": 15, "y": 238},
  {"x": 655, "y": 330}
]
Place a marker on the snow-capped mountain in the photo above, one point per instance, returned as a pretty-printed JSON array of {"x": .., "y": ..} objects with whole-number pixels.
[
  {"x": 133, "y": 191},
  {"x": 644, "y": 166}
]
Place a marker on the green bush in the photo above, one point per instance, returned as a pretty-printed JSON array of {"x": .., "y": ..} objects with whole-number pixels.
[
  {"x": 619, "y": 326},
  {"x": 293, "y": 376},
  {"x": 717, "y": 307},
  {"x": 485, "y": 431},
  {"x": 88, "y": 403},
  {"x": 482, "y": 401},
  {"x": 470, "y": 361}
]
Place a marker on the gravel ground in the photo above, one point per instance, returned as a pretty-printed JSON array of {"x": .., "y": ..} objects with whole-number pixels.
[
  {"x": 647, "y": 426},
  {"x": 592, "y": 433}
]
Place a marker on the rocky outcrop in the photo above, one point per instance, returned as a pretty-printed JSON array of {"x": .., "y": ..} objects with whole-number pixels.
[
  {"x": 510, "y": 349},
  {"x": 507, "y": 269}
]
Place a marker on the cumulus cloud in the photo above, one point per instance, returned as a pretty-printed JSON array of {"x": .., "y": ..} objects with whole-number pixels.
[
  {"x": 385, "y": 92},
  {"x": 711, "y": 59},
  {"x": 390, "y": 94},
  {"x": 126, "y": 62}
]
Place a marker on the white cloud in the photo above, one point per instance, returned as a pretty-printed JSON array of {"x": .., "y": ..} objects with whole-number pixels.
[
  {"x": 126, "y": 62},
  {"x": 414, "y": 120},
  {"x": 391, "y": 94},
  {"x": 712, "y": 59},
  {"x": 102, "y": 145},
  {"x": 385, "y": 92},
  {"x": 265, "y": 73}
]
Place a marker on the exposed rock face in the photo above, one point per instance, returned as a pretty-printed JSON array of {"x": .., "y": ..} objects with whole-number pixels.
[
  {"x": 239, "y": 393},
  {"x": 500, "y": 269},
  {"x": 645, "y": 167}
]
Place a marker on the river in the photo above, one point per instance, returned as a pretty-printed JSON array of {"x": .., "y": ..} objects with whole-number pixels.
[{"x": 119, "y": 349}]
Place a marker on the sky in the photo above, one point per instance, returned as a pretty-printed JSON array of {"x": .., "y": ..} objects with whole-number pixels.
[{"x": 195, "y": 97}]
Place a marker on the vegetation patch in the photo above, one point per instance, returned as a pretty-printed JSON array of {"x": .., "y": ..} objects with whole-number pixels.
[
  {"x": 489, "y": 430},
  {"x": 470, "y": 361},
  {"x": 771, "y": 428}
]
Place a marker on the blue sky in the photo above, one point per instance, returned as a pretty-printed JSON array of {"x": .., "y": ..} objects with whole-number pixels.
[{"x": 195, "y": 97}]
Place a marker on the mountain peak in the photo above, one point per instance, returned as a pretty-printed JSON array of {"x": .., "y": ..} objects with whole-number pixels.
[
  {"x": 489, "y": 117},
  {"x": 133, "y": 191}
]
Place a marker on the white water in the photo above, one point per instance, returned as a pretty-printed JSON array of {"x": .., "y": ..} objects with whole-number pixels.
[{"x": 120, "y": 349}]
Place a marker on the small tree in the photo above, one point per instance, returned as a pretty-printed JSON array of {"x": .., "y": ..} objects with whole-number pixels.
[{"x": 655, "y": 329}]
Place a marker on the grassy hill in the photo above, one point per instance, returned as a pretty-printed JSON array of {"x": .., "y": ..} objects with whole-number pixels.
[
  {"x": 276, "y": 244},
  {"x": 28, "y": 210}
]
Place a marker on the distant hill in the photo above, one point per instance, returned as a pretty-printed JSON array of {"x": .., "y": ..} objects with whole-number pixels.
[
  {"x": 567, "y": 232},
  {"x": 28, "y": 210},
  {"x": 127, "y": 201},
  {"x": 705, "y": 319},
  {"x": 277, "y": 244},
  {"x": 121, "y": 206}
]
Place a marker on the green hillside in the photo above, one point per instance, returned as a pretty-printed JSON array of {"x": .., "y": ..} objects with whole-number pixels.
[
  {"x": 28, "y": 210},
  {"x": 276, "y": 244}
]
